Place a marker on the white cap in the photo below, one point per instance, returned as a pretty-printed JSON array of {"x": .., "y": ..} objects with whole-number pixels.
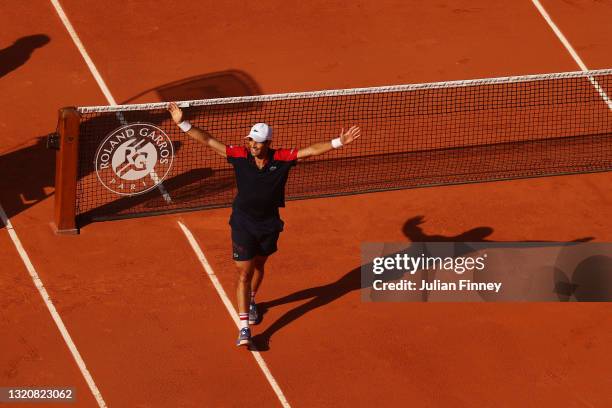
[{"x": 260, "y": 132}]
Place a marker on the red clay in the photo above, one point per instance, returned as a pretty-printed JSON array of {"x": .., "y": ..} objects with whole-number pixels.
[
  {"x": 147, "y": 321},
  {"x": 586, "y": 24},
  {"x": 436, "y": 354},
  {"x": 33, "y": 351}
]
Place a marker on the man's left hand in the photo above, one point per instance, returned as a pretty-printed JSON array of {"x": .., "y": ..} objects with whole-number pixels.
[{"x": 350, "y": 135}]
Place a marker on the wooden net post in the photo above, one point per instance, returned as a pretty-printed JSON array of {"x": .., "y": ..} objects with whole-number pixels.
[{"x": 66, "y": 164}]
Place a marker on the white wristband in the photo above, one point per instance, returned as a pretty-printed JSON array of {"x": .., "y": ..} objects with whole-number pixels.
[
  {"x": 336, "y": 143},
  {"x": 185, "y": 126}
]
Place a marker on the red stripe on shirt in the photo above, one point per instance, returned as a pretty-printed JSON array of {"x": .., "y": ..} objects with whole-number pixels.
[
  {"x": 285, "y": 154},
  {"x": 235, "y": 151}
]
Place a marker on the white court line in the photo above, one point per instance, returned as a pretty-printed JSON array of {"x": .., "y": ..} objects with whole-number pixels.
[
  {"x": 94, "y": 71},
  {"x": 233, "y": 314},
  {"x": 571, "y": 51},
  {"x": 79, "y": 45},
  {"x": 56, "y": 317}
]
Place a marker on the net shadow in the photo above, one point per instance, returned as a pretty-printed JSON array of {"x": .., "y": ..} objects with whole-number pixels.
[
  {"x": 213, "y": 85},
  {"x": 183, "y": 188},
  {"x": 384, "y": 172},
  {"x": 28, "y": 177}
]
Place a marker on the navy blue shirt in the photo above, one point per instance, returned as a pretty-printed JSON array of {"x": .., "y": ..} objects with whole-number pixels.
[{"x": 260, "y": 191}]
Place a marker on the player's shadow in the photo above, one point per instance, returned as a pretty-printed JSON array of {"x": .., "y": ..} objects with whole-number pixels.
[
  {"x": 322, "y": 295},
  {"x": 28, "y": 177},
  {"x": 18, "y": 53},
  {"x": 325, "y": 294}
]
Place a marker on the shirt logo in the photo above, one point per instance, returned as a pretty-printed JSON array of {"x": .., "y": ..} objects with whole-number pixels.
[{"x": 272, "y": 168}]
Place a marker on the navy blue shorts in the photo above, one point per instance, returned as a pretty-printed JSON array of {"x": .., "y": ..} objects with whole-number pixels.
[{"x": 251, "y": 237}]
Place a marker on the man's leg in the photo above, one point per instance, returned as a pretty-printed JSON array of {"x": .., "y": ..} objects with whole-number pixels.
[
  {"x": 243, "y": 292},
  {"x": 258, "y": 273},
  {"x": 243, "y": 289}
]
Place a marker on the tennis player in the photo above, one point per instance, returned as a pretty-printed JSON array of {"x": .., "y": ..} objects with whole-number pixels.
[{"x": 261, "y": 175}]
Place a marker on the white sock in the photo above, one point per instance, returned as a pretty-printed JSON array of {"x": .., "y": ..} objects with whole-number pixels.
[{"x": 244, "y": 320}]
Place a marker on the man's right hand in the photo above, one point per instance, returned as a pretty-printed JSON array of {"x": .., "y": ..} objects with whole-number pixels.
[
  {"x": 176, "y": 112},
  {"x": 198, "y": 134}
]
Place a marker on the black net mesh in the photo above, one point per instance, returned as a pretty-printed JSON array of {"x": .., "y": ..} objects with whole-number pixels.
[{"x": 472, "y": 131}]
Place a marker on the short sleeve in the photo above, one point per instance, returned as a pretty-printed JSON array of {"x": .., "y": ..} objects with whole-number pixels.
[
  {"x": 286, "y": 155},
  {"x": 235, "y": 152}
]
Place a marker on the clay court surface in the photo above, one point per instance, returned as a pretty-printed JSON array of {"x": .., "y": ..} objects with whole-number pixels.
[{"x": 146, "y": 319}]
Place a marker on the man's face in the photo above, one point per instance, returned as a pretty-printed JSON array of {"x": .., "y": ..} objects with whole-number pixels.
[{"x": 257, "y": 149}]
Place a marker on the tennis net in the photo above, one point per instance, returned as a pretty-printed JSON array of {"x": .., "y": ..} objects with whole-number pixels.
[{"x": 133, "y": 160}]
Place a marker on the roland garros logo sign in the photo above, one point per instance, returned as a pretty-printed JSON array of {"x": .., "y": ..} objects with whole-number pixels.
[{"x": 134, "y": 159}]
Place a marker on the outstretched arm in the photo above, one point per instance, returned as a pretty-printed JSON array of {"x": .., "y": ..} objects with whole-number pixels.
[
  {"x": 193, "y": 132},
  {"x": 319, "y": 148}
]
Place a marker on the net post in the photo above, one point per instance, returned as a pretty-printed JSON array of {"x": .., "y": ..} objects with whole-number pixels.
[{"x": 66, "y": 162}]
